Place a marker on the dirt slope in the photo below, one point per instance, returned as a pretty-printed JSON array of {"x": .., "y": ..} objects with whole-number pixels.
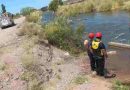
[{"x": 68, "y": 67}]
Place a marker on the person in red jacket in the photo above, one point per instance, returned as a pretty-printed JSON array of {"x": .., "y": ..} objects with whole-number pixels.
[{"x": 88, "y": 45}]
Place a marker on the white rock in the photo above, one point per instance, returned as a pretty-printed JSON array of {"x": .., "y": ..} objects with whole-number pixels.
[{"x": 66, "y": 54}]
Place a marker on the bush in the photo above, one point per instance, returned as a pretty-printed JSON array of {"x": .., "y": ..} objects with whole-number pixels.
[
  {"x": 33, "y": 17},
  {"x": 30, "y": 29},
  {"x": 28, "y": 61},
  {"x": 27, "y": 10},
  {"x": 59, "y": 33}
]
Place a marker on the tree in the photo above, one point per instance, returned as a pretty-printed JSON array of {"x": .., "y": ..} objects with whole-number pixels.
[
  {"x": 27, "y": 10},
  {"x": 60, "y": 2},
  {"x": 53, "y": 6}
]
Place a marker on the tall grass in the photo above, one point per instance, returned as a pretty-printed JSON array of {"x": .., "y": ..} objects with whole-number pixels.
[
  {"x": 127, "y": 6},
  {"x": 104, "y": 6},
  {"x": 92, "y": 5},
  {"x": 74, "y": 9}
]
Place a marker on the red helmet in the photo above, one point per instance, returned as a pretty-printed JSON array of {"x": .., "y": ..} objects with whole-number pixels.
[
  {"x": 91, "y": 35},
  {"x": 98, "y": 35}
]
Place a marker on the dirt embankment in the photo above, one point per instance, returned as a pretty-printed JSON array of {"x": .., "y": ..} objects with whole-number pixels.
[{"x": 55, "y": 68}]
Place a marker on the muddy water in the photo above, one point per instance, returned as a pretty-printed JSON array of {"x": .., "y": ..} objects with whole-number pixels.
[{"x": 120, "y": 63}]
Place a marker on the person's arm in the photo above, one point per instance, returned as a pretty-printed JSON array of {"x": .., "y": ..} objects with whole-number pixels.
[
  {"x": 103, "y": 50},
  {"x": 86, "y": 44}
]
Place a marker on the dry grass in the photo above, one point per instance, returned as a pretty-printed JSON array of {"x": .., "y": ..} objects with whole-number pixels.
[
  {"x": 30, "y": 29},
  {"x": 127, "y": 6},
  {"x": 74, "y": 9},
  {"x": 28, "y": 61},
  {"x": 34, "y": 17},
  {"x": 80, "y": 79}
]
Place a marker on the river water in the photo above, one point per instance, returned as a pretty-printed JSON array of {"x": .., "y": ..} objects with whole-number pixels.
[{"x": 115, "y": 26}]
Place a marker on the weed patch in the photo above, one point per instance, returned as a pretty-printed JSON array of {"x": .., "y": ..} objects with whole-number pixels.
[
  {"x": 119, "y": 86},
  {"x": 80, "y": 79}
]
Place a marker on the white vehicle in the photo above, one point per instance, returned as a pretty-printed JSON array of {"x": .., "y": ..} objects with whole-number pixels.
[{"x": 6, "y": 21}]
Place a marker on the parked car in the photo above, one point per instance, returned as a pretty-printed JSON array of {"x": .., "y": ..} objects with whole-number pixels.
[{"x": 6, "y": 21}]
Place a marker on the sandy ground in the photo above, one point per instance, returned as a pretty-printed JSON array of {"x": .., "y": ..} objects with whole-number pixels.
[{"x": 10, "y": 76}]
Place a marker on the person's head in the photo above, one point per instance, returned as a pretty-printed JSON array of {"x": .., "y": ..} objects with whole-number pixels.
[
  {"x": 91, "y": 36},
  {"x": 99, "y": 35}
]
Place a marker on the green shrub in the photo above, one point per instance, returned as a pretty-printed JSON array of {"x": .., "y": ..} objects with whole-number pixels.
[{"x": 60, "y": 33}]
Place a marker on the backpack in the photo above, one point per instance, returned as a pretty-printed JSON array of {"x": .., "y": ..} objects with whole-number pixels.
[
  {"x": 96, "y": 48},
  {"x": 95, "y": 44}
]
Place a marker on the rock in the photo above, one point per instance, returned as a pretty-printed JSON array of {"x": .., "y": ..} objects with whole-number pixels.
[{"x": 66, "y": 54}]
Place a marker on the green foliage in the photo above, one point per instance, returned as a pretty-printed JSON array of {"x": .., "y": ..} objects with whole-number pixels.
[
  {"x": 60, "y": 33},
  {"x": 119, "y": 86},
  {"x": 27, "y": 10},
  {"x": 53, "y": 6},
  {"x": 60, "y": 2}
]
